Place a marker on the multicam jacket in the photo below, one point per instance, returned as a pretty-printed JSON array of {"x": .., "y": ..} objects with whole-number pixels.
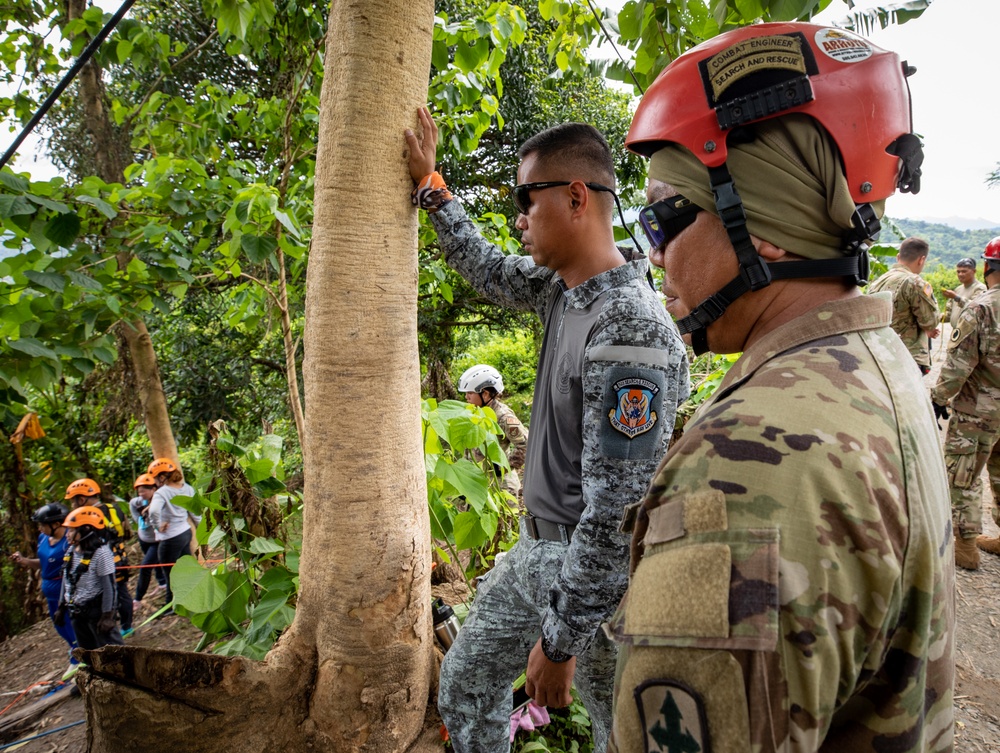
[
  {"x": 515, "y": 436},
  {"x": 792, "y": 581},
  {"x": 914, "y": 309},
  {"x": 971, "y": 373},
  {"x": 610, "y": 376}
]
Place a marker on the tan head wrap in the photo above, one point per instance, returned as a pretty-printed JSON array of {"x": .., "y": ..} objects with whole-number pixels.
[{"x": 790, "y": 179}]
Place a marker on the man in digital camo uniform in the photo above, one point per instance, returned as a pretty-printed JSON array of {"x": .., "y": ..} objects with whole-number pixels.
[
  {"x": 969, "y": 287},
  {"x": 971, "y": 375},
  {"x": 611, "y": 372},
  {"x": 482, "y": 385},
  {"x": 914, "y": 308},
  {"x": 792, "y": 582}
]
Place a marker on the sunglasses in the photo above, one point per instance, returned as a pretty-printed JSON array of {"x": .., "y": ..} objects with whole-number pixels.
[
  {"x": 665, "y": 219},
  {"x": 522, "y": 191}
]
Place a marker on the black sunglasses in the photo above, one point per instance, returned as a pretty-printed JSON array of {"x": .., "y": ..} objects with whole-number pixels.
[
  {"x": 665, "y": 219},
  {"x": 522, "y": 191}
]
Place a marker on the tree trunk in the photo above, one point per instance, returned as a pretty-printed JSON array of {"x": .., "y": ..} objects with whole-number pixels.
[
  {"x": 355, "y": 670},
  {"x": 111, "y": 157}
]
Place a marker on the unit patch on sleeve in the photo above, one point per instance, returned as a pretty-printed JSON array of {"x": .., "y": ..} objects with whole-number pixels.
[
  {"x": 672, "y": 716},
  {"x": 633, "y": 405}
]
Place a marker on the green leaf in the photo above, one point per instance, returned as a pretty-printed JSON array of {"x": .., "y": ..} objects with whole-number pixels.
[
  {"x": 33, "y": 348},
  {"x": 466, "y": 478},
  {"x": 261, "y": 545},
  {"x": 49, "y": 280},
  {"x": 268, "y": 487},
  {"x": 123, "y": 50},
  {"x": 195, "y": 588},
  {"x": 278, "y": 578},
  {"x": 468, "y": 533},
  {"x": 14, "y": 182},
  {"x": 102, "y": 206},
  {"x": 226, "y": 444},
  {"x": 258, "y": 248},
  {"x": 258, "y": 470},
  {"x": 468, "y": 57},
  {"x": 14, "y": 205},
  {"x": 63, "y": 229}
]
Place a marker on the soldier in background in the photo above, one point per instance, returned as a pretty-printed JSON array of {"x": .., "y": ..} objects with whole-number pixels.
[
  {"x": 792, "y": 580},
  {"x": 971, "y": 375},
  {"x": 914, "y": 308},
  {"x": 483, "y": 386},
  {"x": 969, "y": 287}
]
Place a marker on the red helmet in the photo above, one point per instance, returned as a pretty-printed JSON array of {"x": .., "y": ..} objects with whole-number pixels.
[
  {"x": 83, "y": 486},
  {"x": 992, "y": 252},
  {"x": 85, "y": 516},
  {"x": 857, "y": 92}
]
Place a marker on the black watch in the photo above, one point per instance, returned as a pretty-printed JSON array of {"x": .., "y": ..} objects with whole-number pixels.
[{"x": 553, "y": 654}]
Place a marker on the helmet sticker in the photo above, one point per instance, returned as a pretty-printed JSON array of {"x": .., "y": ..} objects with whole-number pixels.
[
  {"x": 842, "y": 46},
  {"x": 754, "y": 55}
]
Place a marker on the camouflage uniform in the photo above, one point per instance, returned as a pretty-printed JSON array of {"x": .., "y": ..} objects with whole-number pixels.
[
  {"x": 793, "y": 583},
  {"x": 914, "y": 309},
  {"x": 963, "y": 294},
  {"x": 971, "y": 375},
  {"x": 609, "y": 330},
  {"x": 514, "y": 443}
]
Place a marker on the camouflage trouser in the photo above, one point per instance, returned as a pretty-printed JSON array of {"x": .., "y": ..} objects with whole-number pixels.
[
  {"x": 967, "y": 448},
  {"x": 491, "y": 651}
]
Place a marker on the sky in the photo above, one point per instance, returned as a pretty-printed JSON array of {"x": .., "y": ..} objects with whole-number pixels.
[{"x": 956, "y": 107}]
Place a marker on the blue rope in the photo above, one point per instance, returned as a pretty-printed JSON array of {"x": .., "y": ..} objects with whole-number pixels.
[{"x": 43, "y": 734}]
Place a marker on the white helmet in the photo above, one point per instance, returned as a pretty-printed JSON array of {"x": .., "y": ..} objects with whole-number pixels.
[{"x": 479, "y": 377}]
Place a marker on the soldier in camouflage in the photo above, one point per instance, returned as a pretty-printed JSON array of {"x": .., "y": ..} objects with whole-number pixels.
[
  {"x": 482, "y": 385},
  {"x": 969, "y": 287},
  {"x": 611, "y": 372},
  {"x": 914, "y": 308},
  {"x": 792, "y": 584},
  {"x": 970, "y": 378}
]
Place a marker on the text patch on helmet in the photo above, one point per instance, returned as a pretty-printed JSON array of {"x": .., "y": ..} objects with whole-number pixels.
[
  {"x": 781, "y": 56},
  {"x": 632, "y": 410},
  {"x": 842, "y": 46},
  {"x": 672, "y": 716}
]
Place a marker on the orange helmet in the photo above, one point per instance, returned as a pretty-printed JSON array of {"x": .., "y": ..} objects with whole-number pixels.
[
  {"x": 83, "y": 487},
  {"x": 162, "y": 465},
  {"x": 85, "y": 516},
  {"x": 146, "y": 479}
]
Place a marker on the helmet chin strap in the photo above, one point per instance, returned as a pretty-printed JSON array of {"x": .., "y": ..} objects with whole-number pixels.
[{"x": 755, "y": 273}]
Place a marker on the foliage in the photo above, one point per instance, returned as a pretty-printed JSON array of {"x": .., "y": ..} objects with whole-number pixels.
[
  {"x": 250, "y": 595},
  {"x": 568, "y": 732},
  {"x": 469, "y": 511},
  {"x": 948, "y": 244},
  {"x": 513, "y": 354}
]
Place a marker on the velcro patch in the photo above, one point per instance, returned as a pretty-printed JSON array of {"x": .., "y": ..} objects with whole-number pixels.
[
  {"x": 672, "y": 717},
  {"x": 632, "y": 413},
  {"x": 783, "y": 54},
  {"x": 966, "y": 326}
]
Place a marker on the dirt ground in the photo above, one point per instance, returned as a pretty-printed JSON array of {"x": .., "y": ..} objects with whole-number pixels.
[{"x": 39, "y": 654}]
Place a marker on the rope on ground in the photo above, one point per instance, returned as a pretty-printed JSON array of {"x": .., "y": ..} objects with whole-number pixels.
[
  {"x": 25, "y": 692},
  {"x": 43, "y": 734}
]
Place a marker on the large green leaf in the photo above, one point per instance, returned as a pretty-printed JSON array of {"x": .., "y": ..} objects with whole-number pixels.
[
  {"x": 468, "y": 532},
  {"x": 49, "y": 280},
  {"x": 14, "y": 205},
  {"x": 32, "y": 347},
  {"x": 196, "y": 588},
  {"x": 466, "y": 479},
  {"x": 63, "y": 229}
]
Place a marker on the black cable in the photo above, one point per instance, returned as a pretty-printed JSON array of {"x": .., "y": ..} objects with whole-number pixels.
[
  {"x": 81, "y": 61},
  {"x": 615, "y": 48}
]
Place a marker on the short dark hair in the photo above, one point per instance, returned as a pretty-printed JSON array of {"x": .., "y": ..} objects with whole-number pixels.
[
  {"x": 912, "y": 249},
  {"x": 577, "y": 144},
  {"x": 967, "y": 262}
]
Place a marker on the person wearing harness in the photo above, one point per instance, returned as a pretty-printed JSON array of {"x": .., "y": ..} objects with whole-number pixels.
[
  {"x": 52, "y": 545},
  {"x": 117, "y": 532},
  {"x": 611, "y": 372},
  {"x": 792, "y": 578},
  {"x": 145, "y": 486},
  {"x": 170, "y": 520},
  {"x": 483, "y": 386},
  {"x": 89, "y": 592}
]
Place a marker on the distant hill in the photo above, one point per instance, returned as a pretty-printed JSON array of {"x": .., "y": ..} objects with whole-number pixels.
[
  {"x": 964, "y": 223},
  {"x": 948, "y": 243}
]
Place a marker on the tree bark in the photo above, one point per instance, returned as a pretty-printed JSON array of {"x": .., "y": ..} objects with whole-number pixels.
[
  {"x": 355, "y": 670},
  {"x": 111, "y": 157}
]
